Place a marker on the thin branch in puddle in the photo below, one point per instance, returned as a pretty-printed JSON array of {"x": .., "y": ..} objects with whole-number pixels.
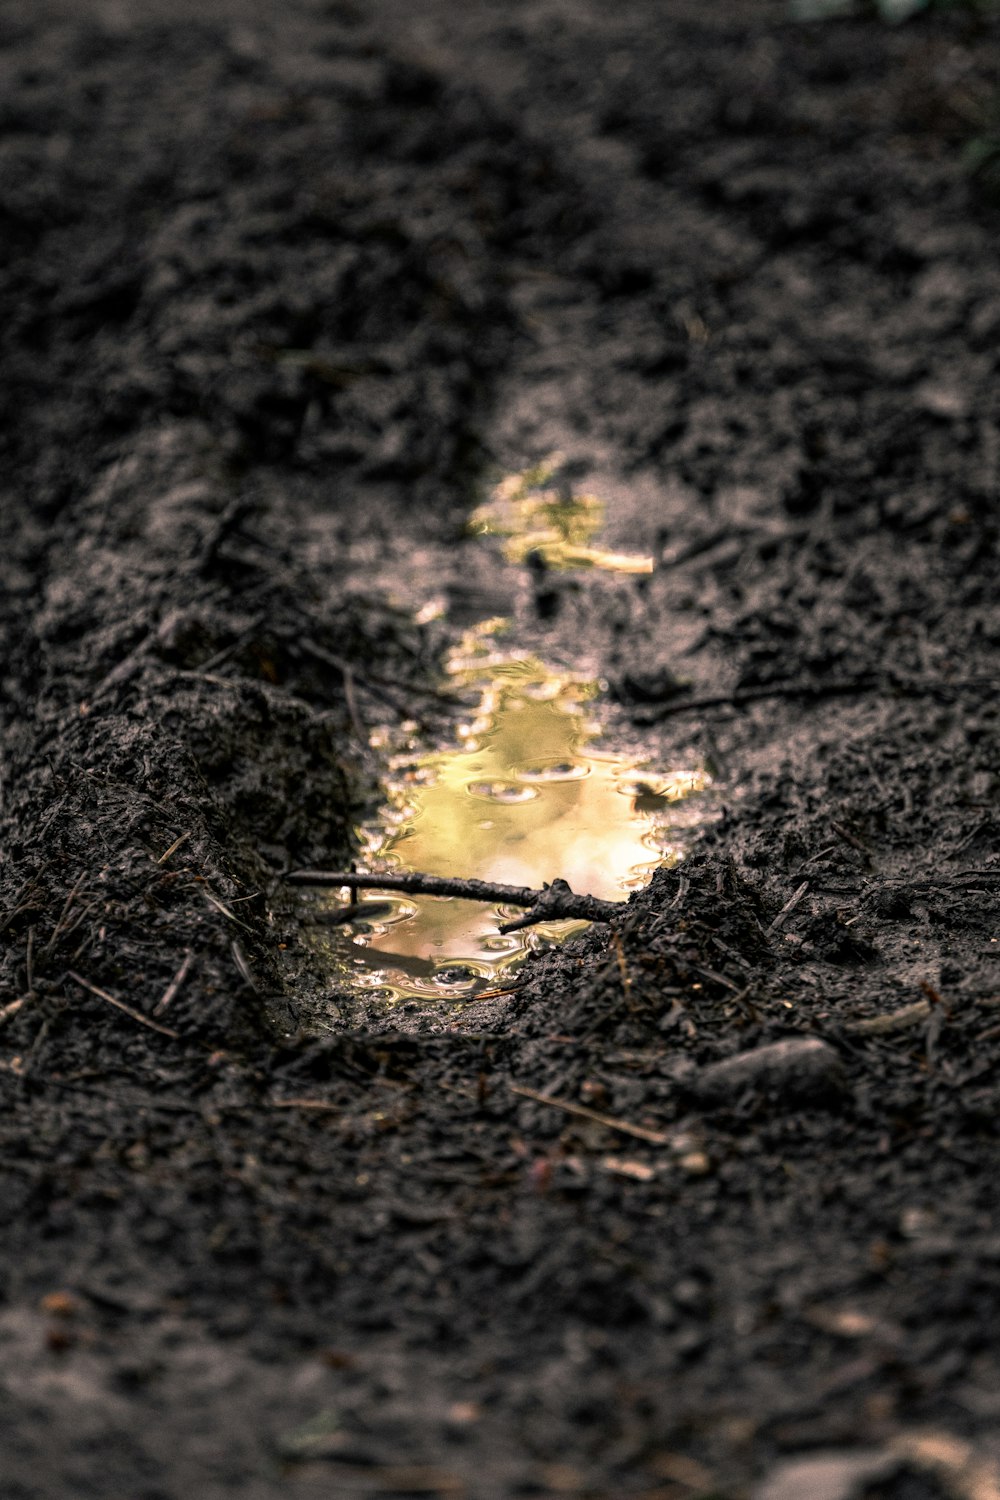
[{"x": 553, "y": 903}]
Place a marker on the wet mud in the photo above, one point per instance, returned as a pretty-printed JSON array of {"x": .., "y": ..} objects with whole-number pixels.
[{"x": 705, "y": 1203}]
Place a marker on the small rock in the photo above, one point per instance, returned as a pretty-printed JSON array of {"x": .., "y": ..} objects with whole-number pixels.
[
  {"x": 801, "y": 1069},
  {"x": 696, "y": 1163},
  {"x": 826, "y": 1476},
  {"x": 942, "y": 399}
]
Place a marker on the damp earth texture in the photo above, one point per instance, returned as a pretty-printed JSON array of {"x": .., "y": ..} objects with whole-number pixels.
[{"x": 668, "y": 335}]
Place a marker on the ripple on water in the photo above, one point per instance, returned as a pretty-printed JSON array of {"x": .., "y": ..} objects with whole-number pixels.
[
  {"x": 509, "y": 792},
  {"x": 558, "y": 808}
]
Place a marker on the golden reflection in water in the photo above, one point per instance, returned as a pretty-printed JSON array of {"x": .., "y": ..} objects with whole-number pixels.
[
  {"x": 522, "y": 799},
  {"x": 538, "y": 518}
]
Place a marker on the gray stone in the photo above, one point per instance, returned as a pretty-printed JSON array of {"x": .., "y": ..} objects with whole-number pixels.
[
  {"x": 801, "y": 1069},
  {"x": 826, "y": 1476}
]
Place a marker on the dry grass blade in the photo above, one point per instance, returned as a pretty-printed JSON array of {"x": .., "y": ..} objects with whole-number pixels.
[
  {"x": 136, "y": 1015},
  {"x": 170, "y": 993},
  {"x": 640, "y": 1132},
  {"x": 322, "y": 1105},
  {"x": 174, "y": 847}
]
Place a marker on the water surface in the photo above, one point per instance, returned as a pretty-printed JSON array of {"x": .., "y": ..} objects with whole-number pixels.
[{"x": 526, "y": 794}]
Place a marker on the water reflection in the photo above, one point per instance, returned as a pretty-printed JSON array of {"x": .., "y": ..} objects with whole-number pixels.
[
  {"x": 523, "y": 798},
  {"x": 537, "y": 516}
]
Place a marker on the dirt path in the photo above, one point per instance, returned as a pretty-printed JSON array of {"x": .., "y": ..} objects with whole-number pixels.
[{"x": 279, "y": 294}]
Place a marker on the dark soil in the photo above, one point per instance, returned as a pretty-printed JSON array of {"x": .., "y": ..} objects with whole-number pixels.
[{"x": 281, "y": 285}]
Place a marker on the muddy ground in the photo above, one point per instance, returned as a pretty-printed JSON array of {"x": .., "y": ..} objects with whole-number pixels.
[{"x": 282, "y": 286}]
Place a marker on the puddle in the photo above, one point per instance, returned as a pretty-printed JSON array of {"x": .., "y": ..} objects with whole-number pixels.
[
  {"x": 524, "y": 795},
  {"x": 540, "y": 517}
]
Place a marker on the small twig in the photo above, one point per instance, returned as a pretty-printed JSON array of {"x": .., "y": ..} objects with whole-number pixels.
[
  {"x": 343, "y": 916},
  {"x": 820, "y": 854},
  {"x": 240, "y": 960},
  {"x": 318, "y": 1104},
  {"x": 12, "y": 1009},
  {"x": 850, "y": 838},
  {"x": 170, "y": 993},
  {"x": 29, "y": 959},
  {"x": 230, "y": 520},
  {"x": 221, "y": 907},
  {"x": 713, "y": 977},
  {"x": 136, "y": 1015},
  {"x": 494, "y": 994},
  {"x": 899, "y": 1020},
  {"x": 980, "y": 827},
  {"x": 57, "y": 929},
  {"x": 174, "y": 847},
  {"x": 744, "y": 1004},
  {"x": 124, "y": 671},
  {"x": 555, "y": 902},
  {"x": 699, "y": 548},
  {"x": 26, "y": 897},
  {"x": 654, "y": 1137},
  {"x": 226, "y": 653},
  {"x": 789, "y": 906}
]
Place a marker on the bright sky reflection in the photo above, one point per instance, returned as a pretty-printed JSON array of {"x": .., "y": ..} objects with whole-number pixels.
[
  {"x": 523, "y": 798},
  {"x": 536, "y": 517}
]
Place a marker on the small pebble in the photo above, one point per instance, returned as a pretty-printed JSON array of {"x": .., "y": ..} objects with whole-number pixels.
[
  {"x": 826, "y": 1475},
  {"x": 800, "y": 1070}
]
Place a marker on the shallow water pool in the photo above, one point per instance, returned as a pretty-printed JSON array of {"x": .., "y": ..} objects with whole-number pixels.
[{"x": 526, "y": 794}]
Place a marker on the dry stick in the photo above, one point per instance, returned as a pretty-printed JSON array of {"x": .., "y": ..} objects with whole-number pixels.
[
  {"x": 240, "y": 960},
  {"x": 174, "y": 847},
  {"x": 846, "y": 689},
  {"x": 57, "y": 929},
  {"x": 25, "y": 897},
  {"x": 654, "y": 1137},
  {"x": 897, "y": 1020},
  {"x": 391, "y": 692},
  {"x": 552, "y": 903},
  {"x": 124, "y": 671},
  {"x": 12, "y": 1009},
  {"x": 170, "y": 993},
  {"x": 221, "y": 907},
  {"x": 136, "y": 1015},
  {"x": 507, "y": 989},
  {"x": 789, "y": 906},
  {"x": 226, "y": 653},
  {"x": 322, "y": 1105},
  {"x": 850, "y": 838},
  {"x": 956, "y": 880}
]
